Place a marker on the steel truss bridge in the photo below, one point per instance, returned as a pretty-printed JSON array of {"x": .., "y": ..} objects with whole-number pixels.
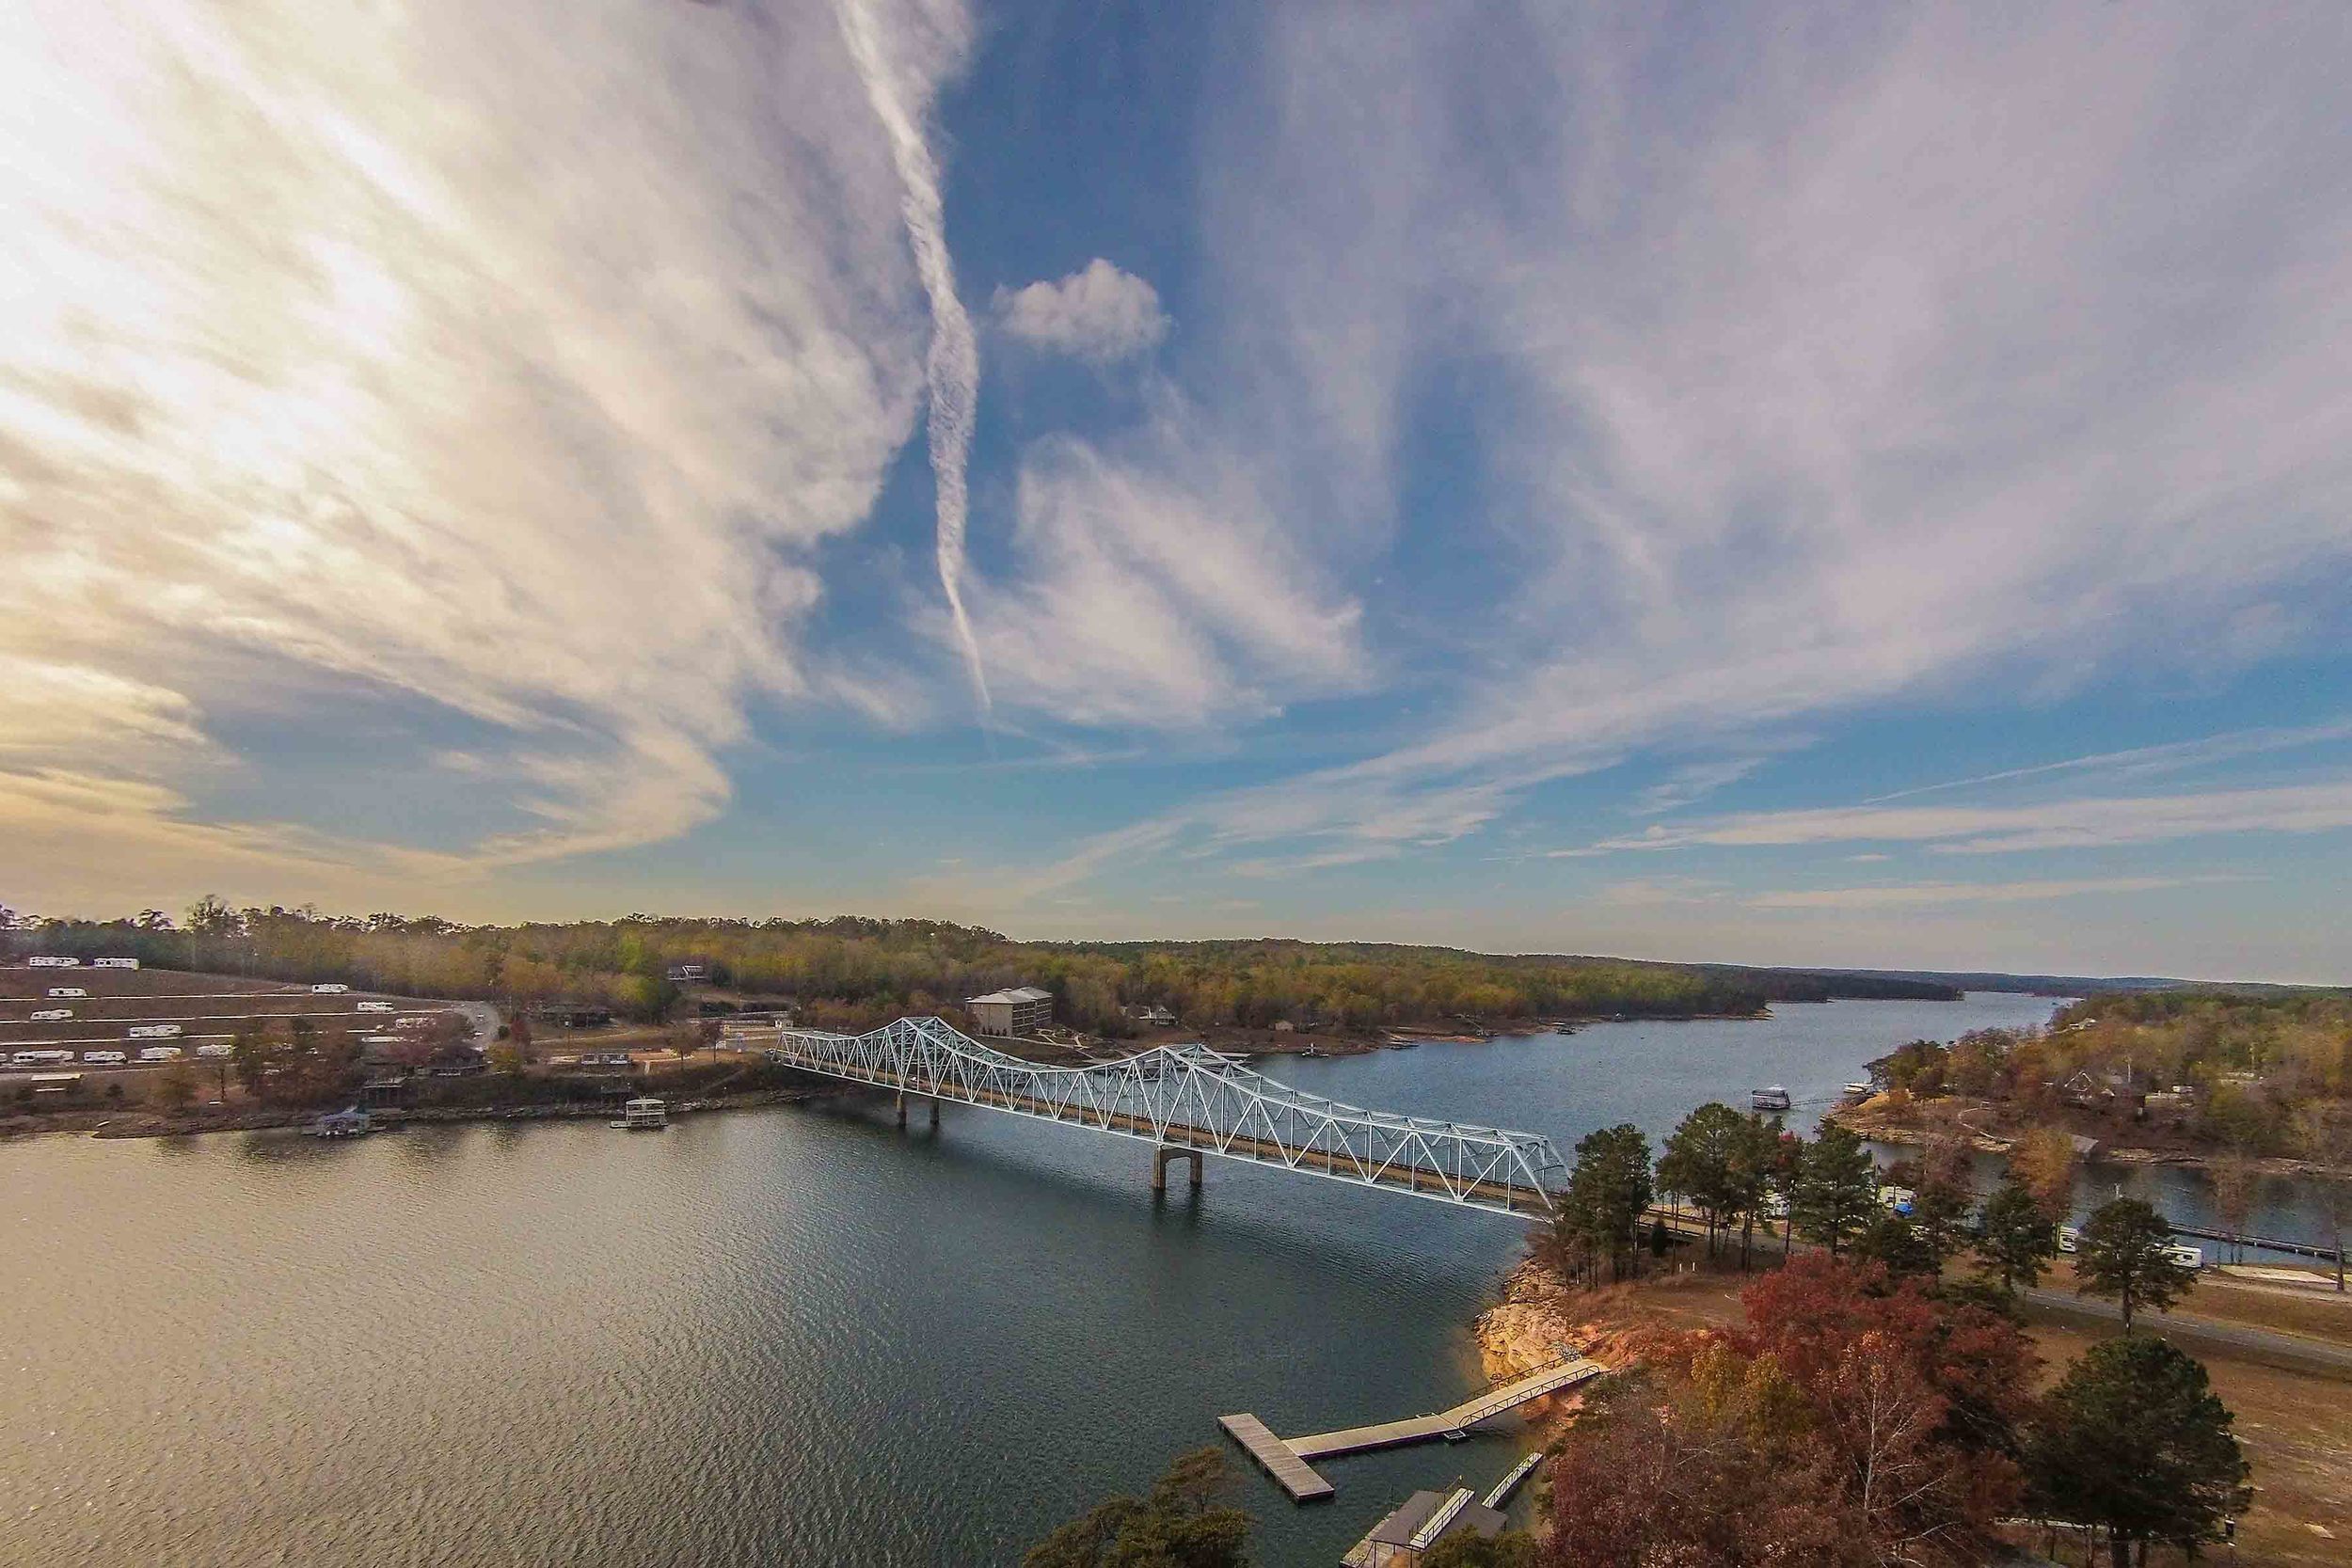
[{"x": 1189, "y": 1100}]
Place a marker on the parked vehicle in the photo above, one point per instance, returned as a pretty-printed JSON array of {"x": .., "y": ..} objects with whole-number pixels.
[
  {"x": 2185, "y": 1255},
  {"x": 155, "y": 1031},
  {"x": 114, "y": 963},
  {"x": 52, "y": 961},
  {"x": 67, "y": 990},
  {"x": 160, "y": 1054},
  {"x": 216, "y": 1050},
  {"x": 51, "y": 1015},
  {"x": 104, "y": 1058},
  {"x": 330, "y": 989},
  {"x": 39, "y": 1058},
  {"x": 1774, "y": 1098},
  {"x": 2070, "y": 1239},
  {"x": 412, "y": 1021},
  {"x": 373, "y": 1006}
]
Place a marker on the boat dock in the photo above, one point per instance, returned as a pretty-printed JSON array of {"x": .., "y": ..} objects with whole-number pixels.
[
  {"x": 1286, "y": 1459},
  {"x": 1290, "y": 1472}
]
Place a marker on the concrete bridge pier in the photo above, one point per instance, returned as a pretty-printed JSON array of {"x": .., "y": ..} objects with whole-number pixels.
[
  {"x": 1162, "y": 1155},
  {"x": 932, "y": 1100}
]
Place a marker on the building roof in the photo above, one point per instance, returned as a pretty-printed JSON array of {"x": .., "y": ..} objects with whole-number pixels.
[{"x": 1018, "y": 994}]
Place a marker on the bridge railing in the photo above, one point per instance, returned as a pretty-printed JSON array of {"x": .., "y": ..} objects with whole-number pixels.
[{"x": 1193, "y": 1098}]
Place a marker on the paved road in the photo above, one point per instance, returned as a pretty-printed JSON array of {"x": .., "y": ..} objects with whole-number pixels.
[{"x": 2294, "y": 1349}]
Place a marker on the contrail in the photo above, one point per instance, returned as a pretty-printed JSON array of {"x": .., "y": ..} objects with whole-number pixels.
[{"x": 954, "y": 362}]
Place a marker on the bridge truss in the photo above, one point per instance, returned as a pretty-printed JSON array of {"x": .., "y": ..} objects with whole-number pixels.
[{"x": 1191, "y": 1099}]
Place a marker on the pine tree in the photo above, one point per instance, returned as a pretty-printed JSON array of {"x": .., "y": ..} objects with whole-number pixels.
[
  {"x": 2126, "y": 1254},
  {"x": 2016, "y": 1238},
  {"x": 1837, "y": 1189}
]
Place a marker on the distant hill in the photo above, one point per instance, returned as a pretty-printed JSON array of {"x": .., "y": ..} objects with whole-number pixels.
[{"x": 2059, "y": 984}]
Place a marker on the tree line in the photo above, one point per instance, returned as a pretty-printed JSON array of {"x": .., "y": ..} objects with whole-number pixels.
[{"x": 856, "y": 970}]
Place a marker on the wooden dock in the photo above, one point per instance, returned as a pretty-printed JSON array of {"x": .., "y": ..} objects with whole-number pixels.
[
  {"x": 1286, "y": 1458},
  {"x": 1420, "y": 1429},
  {"x": 1277, "y": 1459},
  {"x": 1510, "y": 1484}
]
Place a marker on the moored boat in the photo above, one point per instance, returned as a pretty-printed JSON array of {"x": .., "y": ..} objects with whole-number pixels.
[
  {"x": 1771, "y": 1099},
  {"x": 644, "y": 1115}
]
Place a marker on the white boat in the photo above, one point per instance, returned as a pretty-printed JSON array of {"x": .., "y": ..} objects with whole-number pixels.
[
  {"x": 1771, "y": 1099},
  {"x": 1861, "y": 1089},
  {"x": 644, "y": 1115}
]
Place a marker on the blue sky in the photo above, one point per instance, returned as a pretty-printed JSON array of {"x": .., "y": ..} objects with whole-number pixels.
[{"x": 1839, "y": 485}]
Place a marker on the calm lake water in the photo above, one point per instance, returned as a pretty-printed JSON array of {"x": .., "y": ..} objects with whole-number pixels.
[{"x": 792, "y": 1336}]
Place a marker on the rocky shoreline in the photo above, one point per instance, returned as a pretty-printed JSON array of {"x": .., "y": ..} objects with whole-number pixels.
[{"x": 1873, "y": 1121}]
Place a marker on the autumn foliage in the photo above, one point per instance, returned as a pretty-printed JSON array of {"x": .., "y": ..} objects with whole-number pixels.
[{"x": 1853, "y": 1421}]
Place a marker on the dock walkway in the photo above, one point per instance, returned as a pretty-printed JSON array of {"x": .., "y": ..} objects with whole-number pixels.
[
  {"x": 1286, "y": 1459},
  {"x": 1419, "y": 1429}
]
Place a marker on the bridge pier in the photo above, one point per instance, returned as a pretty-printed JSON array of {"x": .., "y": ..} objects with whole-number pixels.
[{"x": 1162, "y": 1155}]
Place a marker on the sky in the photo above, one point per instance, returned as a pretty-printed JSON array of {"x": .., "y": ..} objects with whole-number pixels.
[{"x": 1811, "y": 483}]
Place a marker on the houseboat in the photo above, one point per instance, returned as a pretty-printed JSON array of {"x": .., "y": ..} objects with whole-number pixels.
[
  {"x": 1771, "y": 1099},
  {"x": 644, "y": 1115},
  {"x": 351, "y": 1123}
]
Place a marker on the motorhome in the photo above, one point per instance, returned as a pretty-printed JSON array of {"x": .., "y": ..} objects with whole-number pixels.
[
  {"x": 330, "y": 990},
  {"x": 1898, "y": 1200},
  {"x": 50, "y": 1015},
  {"x": 216, "y": 1050},
  {"x": 104, "y": 1058},
  {"x": 52, "y": 961},
  {"x": 373, "y": 1006},
  {"x": 160, "y": 1054},
  {"x": 67, "y": 990},
  {"x": 39, "y": 1058},
  {"x": 114, "y": 963},
  {"x": 155, "y": 1031},
  {"x": 412, "y": 1021},
  {"x": 2070, "y": 1239},
  {"x": 2187, "y": 1257}
]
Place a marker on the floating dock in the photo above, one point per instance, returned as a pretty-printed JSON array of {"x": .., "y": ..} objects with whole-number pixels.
[
  {"x": 1290, "y": 1472},
  {"x": 1286, "y": 1459}
]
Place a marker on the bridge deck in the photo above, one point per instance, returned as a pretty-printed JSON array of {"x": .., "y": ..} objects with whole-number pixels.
[
  {"x": 1418, "y": 1429},
  {"x": 1495, "y": 1196}
]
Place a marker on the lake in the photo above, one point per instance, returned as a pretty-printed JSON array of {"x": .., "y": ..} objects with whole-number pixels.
[{"x": 795, "y": 1335}]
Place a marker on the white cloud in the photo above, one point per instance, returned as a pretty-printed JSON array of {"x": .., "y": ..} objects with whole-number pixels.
[
  {"x": 1808, "y": 376},
  {"x": 1937, "y": 894},
  {"x": 514, "y": 361},
  {"x": 2086, "y": 823},
  {"x": 1154, "y": 588},
  {"x": 1098, "y": 313}
]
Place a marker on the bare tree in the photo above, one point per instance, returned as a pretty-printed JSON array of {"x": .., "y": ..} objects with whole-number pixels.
[
  {"x": 2235, "y": 1182},
  {"x": 2323, "y": 1134}
]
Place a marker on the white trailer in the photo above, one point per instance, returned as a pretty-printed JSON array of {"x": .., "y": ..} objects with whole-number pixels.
[
  {"x": 330, "y": 989},
  {"x": 39, "y": 1058},
  {"x": 160, "y": 1054},
  {"x": 52, "y": 961},
  {"x": 67, "y": 990},
  {"x": 104, "y": 1058},
  {"x": 214, "y": 1051},
  {"x": 114, "y": 963},
  {"x": 373, "y": 1006},
  {"x": 51, "y": 1015},
  {"x": 155, "y": 1031}
]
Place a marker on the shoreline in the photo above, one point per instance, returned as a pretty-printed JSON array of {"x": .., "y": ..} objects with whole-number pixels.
[
  {"x": 141, "y": 1124},
  {"x": 1876, "y": 1126}
]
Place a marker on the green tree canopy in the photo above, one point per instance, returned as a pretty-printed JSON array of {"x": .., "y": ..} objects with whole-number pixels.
[
  {"x": 1179, "y": 1524},
  {"x": 2016, "y": 1238},
  {"x": 1835, "y": 1195},
  {"x": 2126, "y": 1254},
  {"x": 1701, "y": 1162},
  {"x": 1607, "y": 1193},
  {"x": 2134, "y": 1441}
]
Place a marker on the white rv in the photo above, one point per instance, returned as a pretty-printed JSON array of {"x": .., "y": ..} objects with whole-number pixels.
[
  {"x": 51, "y": 1015},
  {"x": 155, "y": 1031},
  {"x": 39, "y": 1058},
  {"x": 160, "y": 1054},
  {"x": 104, "y": 1058},
  {"x": 214, "y": 1051},
  {"x": 330, "y": 989},
  {"x": 52, "y": 961},
  {"x": 114, "y": 963},
  {"x": 67, "y": 990},
  {"x": 373, "y": 1006}
]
